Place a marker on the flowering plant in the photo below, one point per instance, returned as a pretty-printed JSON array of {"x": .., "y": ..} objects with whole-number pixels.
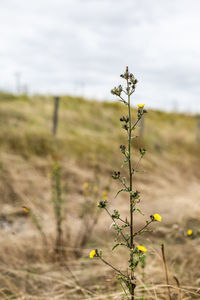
[{"x": 120, "y": 225}]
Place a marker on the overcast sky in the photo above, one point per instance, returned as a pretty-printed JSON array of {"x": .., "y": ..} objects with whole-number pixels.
[{"x": 81, "y": 47}]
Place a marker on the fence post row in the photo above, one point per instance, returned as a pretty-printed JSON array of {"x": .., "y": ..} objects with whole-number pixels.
[{"x": 55, "y": 114}]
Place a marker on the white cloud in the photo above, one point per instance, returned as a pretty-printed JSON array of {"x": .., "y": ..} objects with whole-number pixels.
[{"x": 62, "y": 46}]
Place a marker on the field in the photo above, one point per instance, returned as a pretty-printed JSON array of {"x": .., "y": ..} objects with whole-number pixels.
[{"x": 87, "y": 150}]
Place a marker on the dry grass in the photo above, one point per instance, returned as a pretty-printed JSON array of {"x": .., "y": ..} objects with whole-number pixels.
[{"x": 170, "y": 186}]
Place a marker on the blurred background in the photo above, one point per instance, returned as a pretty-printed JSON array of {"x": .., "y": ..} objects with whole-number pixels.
[
  {"x": 77, "y": 47},
  {"x": 60, "y": 135}
]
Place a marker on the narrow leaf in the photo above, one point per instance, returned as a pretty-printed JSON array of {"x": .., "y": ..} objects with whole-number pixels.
[
  {"x": 139, "y": 210},
  {"x": 122, "y": 190}
]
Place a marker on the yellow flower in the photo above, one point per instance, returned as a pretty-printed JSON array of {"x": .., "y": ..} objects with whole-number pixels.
[
  {"x": 140, "y": 105},
  {"x": 189, "y": 232},
  {"x": 49, "y": 175},
  {"x": 85, "y": 185},
  {"x": 92, "y": 253},
  {"x": 157, "y": 217},
  {"x": 105, "y": 198},
  {"x": 142, "y": 248},
  {"x": 26, "y": 210}
]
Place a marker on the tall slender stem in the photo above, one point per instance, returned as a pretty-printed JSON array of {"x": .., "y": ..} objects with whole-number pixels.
[
  {"x": 130, "y": 186},
  {"x": 129, "y": 126}
]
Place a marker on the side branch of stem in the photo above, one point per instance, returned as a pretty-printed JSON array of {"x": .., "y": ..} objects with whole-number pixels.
[{"x": 126, "y": 240}]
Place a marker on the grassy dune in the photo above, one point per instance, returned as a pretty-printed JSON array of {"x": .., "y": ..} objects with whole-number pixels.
[{"x": 87, "y": 145}]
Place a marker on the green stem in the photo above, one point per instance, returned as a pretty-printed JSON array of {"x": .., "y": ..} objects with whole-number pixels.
[
  {"x": 130, "y": 188},
  {"x": 142, "y": 228},
  {"x": 135, "y": 123},
  {"x": 108, "y": 264},
  {"x": 123, "y": 221}
]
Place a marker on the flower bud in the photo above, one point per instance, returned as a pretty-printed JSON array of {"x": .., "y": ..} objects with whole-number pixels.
[
  {"x": 102, "y": 204},
  {"x": 116, "y": 175},
  {"x": 142, "y": 151},
  {"x": 124, "y": 126},
  {"x": 123, "y": 148},
  {"x": 126, "y": 119}
]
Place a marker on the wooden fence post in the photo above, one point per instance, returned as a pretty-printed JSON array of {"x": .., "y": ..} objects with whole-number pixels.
[
  {"x": 55, "y": 114},
  {"x": 141, "y": 127}
]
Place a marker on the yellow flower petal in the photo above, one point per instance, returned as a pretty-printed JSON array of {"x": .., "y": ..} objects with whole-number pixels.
[
  {"x": 105, "y": 198},
  {"x": 92, "y": 253},
  {"x": 105, "y": 192},
  {"x": 85, "y": 185},
  {"x": 189, "y": 232},
  {"x": 142, "y": 248},
  {"x": 157, "y": 217},
  {"x": 140, "y": 105}
]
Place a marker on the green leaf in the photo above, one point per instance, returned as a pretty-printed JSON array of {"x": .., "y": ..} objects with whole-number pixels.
[
  {"x": 124, "y": 226},
  {"x": 126, "y": 160},
  {"x": 139, "y": 171},
  {"x": 143, "y": 261},
  {"x": 127, "y": 154},
  {"x": 118, "y": 244},
  {"x": 139, "y": 210},
  {"x": 116, "y": 214},
  {"x": 122, "y": 190},
  {"x": 115, "y": 246},
  {"x": 124, "y": 180},
  {"x": 115, "y": 226},
  {"x": 145, "y": 230}
]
